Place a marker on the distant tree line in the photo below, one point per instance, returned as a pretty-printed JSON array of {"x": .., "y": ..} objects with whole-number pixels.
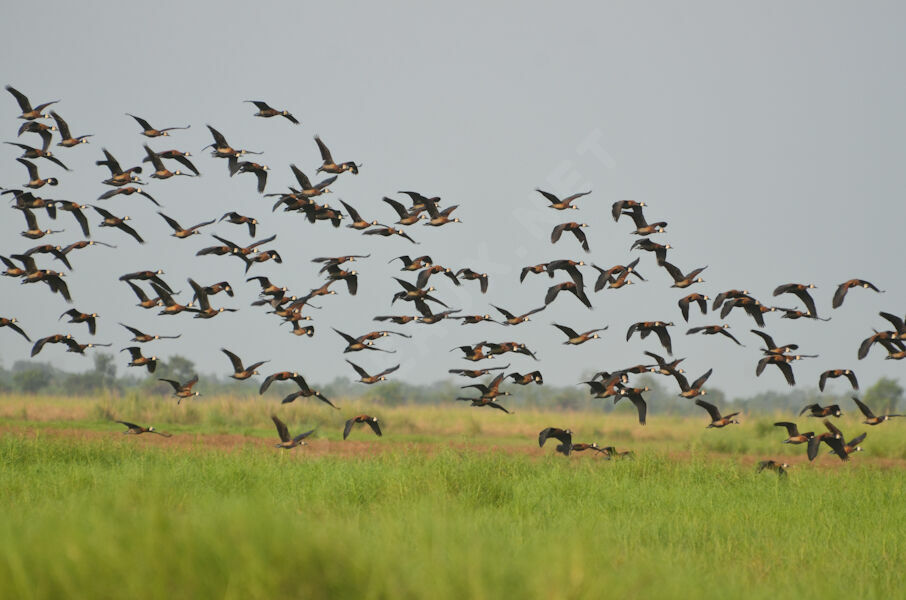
[{"x": 29, "y": 377}]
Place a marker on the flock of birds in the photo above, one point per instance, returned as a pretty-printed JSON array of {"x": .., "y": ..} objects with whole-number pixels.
[{"x": 153, "y": 292}]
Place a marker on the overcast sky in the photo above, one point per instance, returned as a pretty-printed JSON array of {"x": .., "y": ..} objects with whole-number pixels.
[{"x": 769, "y": 136}]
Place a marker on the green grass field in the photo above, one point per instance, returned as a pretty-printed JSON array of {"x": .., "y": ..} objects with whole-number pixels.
[{"x": 451, "y": 503}]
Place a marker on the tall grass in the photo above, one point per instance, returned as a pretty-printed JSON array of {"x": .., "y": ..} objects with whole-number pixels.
[{"x": 113, "y": 518}]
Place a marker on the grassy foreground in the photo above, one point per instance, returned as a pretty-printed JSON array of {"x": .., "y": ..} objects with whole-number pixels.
[{"x": 112, "y": 516}]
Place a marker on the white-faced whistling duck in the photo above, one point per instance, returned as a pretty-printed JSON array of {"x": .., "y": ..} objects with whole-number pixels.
[
  {"x": 204, "y": 310},
  {"x": 371, "y": 421},
  {"x": 643, "y": 227},
  {"x": 398, "y": 319},
  {"x": 617, "y": 208},
  {"x": 28, "y": 113},
  {"x": 40, "y": 128},
  {"x": 635, "y": 396},
  {"x": 287, "y": 442},
  {"x": 151, "y": 132},
  {"x": 833, "y": 373},
  {"x": 571, "y": 267},
  {"x": 582, "y": 447},
  {"x": 612, "y": 452},
  {"x": 128, "y": 191},
  {"x": 569, "y": 286},
  {"x": 575, "y": 229},
  {"x": 782, "y": 361},
  {"x": 870, "y": 418},
  {"x": 853, "y": 444},
  {"x": 120, "y": 223},
  {"x": 658, "y": 327},
  {"x": 329, "y": 166},
  {"x": 259, "y": 170},
  {"x": 476, "y": 373},
  {"x": 536, "y": 269},
  {"x": 794, "y": 437},
  {"x": 76, "y": 316},
  {"x": 729, "y": 295},
  {"x": 148, "y": 275},
  {"x": 267, "y": 288},
  {"x": 332, "y": 261},
  {"x": 358, "y": 222},
  {"x": 773, "y": 465},
  {"x": 385, "y": 231},
  {"x": 527, "y": 378},
  {"x": 488, "y": 401},
  {"x": 306, "y": 392},
  {"x": 413, "y": 264},
  {"x": 237, "y": 219},
  {"x": 470, "y": 275},
  {"x": 177, "y": 155},
  {"x": 76, "y": 211},
  {"x": 663, "y": 367},
  {"x": 496, "y": 348},
  {"x": 816, "y": 410},
  {"x": 118, "y": 176},
  {"x": 11, "y": 323},
  {"x": 898, "y": 324},
  {"x": 610, "y": 386},
  {"x": 133, "y": 429},
  {"x": 160, "y": 171},
  {"x": 171, "y": 306},
  {"x": 57, "y": 338},
  {"x": 771, "y": 346},
  {"x": 308, "y": 190},
  {"x": 896, "y": 349},
  {"x": 182, "y": 390},
  {"x": 490, "y": 390},
  {"x": 141, "y": 337},
  {"x": 143, "y": 300},
  {"x": 833, "y": 438},
  {"x": 695, "y": 388},
  {"x": 140, "y": 361},
  {"x": 354, "y": 344},
  {"x": 713, "y": 330},
  {"x": 181, "y": 232},
  {"x": 696, "y": 298},
  {"x": 299, "y": 330},
  {"x": 34, "y": 232},
  {"x": 29, "y": 152},
  {"x": 565, "y": 436},
  {"x": 281, "y": 376},
  {"x": 800, "y": 290},
  {"x": 751, "y": 306},
  {"x": 266, "y": 112},
  {"x": 878, "y": 336},
  {"x": 617, "y": 276},
  {"x": 240, "y": 372},
  {"x": 840, "y": 294},
  {"x": 66, "y": 139},
  {"x": 429, "y": 318},
  {"x": 34, "y": 179},
  {"x": 425, "y": 274},
  {"x": 406, "y": 217},
  {"x": 222, "y": 148},
  {"x": 681, "y": 280},
  {"x": 411, "y": 292},
  {"x": 574, "y": 338},
  {"x": 473, "y": 319},
  {"x": 512, "y": 319},
  {"x": 364, "y": 377},
  {"x": 660, "y": 250},
  {"x": 473, "y": 353},
  {"x": 717, "y": 420},
  {"x": 441, "y": 217},
  {"x": 563, "y": 204}
]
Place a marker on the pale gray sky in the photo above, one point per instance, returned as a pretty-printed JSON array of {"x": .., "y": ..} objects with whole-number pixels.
[{"x": 769, "y": 136}]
